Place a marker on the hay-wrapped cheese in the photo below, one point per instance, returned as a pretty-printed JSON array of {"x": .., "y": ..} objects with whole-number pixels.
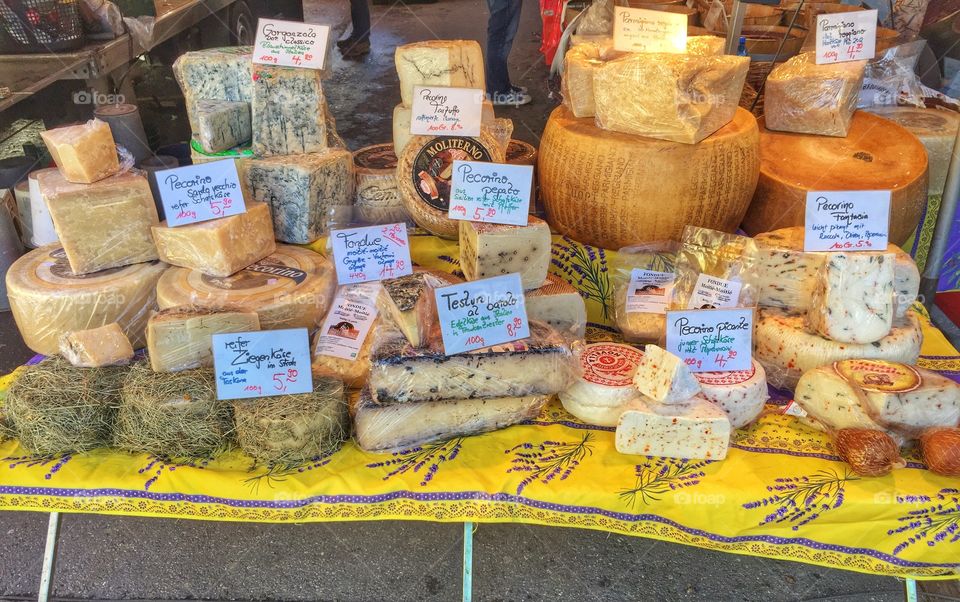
[
  {"x": 179, "y": 338},
  {"x": 222, "y": 124},
  {"x": 96, "y": 347},
  {"x": 289, "y": 111},
  {"x": 84, "y": 153},
  {"x": 214, "y": 74},
  {"x": 488, "y": 250},
  {"x": 449, "y": 63}
]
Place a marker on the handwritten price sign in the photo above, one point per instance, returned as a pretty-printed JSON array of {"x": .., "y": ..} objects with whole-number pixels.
[
  {"x": 371, "y": 253},
  {"x": 847, "y": 220},
  {"x": 491, "y": 192},
  {"x": 712, "y": 340},
  {"x": 439, "y": 111},
  {"x": 262, "y": 364},
  {"x": 846, "y": 36},
  {"x": 641, "y": 30},
  {"x": 290, "y": 44},
  {"x": 482, "y": 313},
  {"x": 202, "y": 192}
]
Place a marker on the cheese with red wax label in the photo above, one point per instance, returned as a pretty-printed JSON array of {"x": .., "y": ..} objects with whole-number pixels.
[
  {"x": 605, "y": 385},
  {"x": 740, "y": 393}
]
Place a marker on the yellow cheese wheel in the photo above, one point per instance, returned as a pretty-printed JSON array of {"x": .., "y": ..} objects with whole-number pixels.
[
  {"x": 292, "y": 288},
  {"x": 936, "y": 129},
  {"x": 612, "y": 190},
  {"x": 877, "y": 154},
  {"x": 47, "y": 299}
]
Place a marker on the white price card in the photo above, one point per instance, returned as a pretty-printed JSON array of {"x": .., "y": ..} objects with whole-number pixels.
[
  {"x": 711, "y": 292},
  {"x": 291, "y": 44},
  {"x": 478, "y": 314},
  {"x": 371, "y": 253},
  {"x": 262, "y": 364},
  {"x": 349, "y": 320},
  {"x": 496, "y": 193},
  {"x": 649, "y": 291},
  {"x": 197, "y": 193},
  {"x": 712, "y": 340},
  {"x": 439, "y": 111},
  {"x": 642, "y": 30},
  {"x": 846, "y": 36},
  {"x": 847, "y": 220}
]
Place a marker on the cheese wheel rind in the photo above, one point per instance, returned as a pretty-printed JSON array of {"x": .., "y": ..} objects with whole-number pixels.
[{"x": 742, "y": 394}]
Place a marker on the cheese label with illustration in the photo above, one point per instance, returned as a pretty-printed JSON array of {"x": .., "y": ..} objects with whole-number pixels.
[
  {"x": 649, "y": 291},
  {"x": 610, "y": 364},
  {"x": 349, "y": 321},
  {"x": 711, "y": 292},
  {"x": 258, "y": 275},
  {"x": 879, "y": 376},
  {"x": 432, "y": 170}
]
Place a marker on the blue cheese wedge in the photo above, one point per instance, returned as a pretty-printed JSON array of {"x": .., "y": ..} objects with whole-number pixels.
[
  {"x": 852, "y": 300},
  {"x": 695, "y": 430},
  {"x": 222, "y": 124},
  {"x": 306, "y": 193},
  {"x": 664, "y": 377},
  {"x": 289, "y": 111},
  {"x": 214, "y": 74}
]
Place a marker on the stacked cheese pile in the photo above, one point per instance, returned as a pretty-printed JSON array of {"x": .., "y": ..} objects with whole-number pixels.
[{"x": 822, "y": 307}]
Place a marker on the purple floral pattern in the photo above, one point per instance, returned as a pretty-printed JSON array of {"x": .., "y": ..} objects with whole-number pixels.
[
  {"x": 936, "y": 522},
  {"x": 413, "y": 460},
  {"x": 585, "y": 268},
  {"x": 804, "y": 499},
  {"x": 54, "y": 464},
  {"x": 548, "y": 461},
  {"x": 156, "y": 466},
  {"x": 658, "y": 477}
]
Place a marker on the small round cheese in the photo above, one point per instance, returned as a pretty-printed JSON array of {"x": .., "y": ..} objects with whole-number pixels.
[
  {"x": 606, "y": 384},
  {"x": 595, "y": 415},
  {"x": 741, "y": 393},
  {"x": 521, "y": 153}
]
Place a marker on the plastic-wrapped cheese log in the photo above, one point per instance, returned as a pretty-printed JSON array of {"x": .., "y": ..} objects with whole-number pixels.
[
  {"x": 709, "y": 261},
  {"x": 853, "y": 297},
  {"x": 642, "y": 278},
  {"x": 786, "y": 349},
  {"x": 698, "y": 429}
]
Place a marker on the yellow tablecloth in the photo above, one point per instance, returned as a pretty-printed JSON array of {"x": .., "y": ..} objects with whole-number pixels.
[{"x": 781, "y": 493}]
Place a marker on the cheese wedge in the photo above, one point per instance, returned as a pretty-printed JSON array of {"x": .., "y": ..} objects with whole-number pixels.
[
  {"x": 664, "y": 377},
  {"x": 84, "y": 153},
  {"x": 180, "y": 338},
  {"x": 696, "y": 430},
  {"x": 488, "y": 250},
  {"x": 409, "y": 304},
  {"x": 558, "y": 304},
  {"x": 97, "y": 347},
  {"x": 853, "y": 298}
]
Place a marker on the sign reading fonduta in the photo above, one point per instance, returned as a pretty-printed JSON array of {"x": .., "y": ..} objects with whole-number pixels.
[
  {"x": 440, "y": 111},
  {"x": 642, "y": 30},
  {"x": 482, "y": 313},
  {"x": 201, "y": 192},
  {"x": 847, "y": 220},
  {"x": 265, "y": 363},
  {"x": 712, "y": 340},
  {"x": 371, "y": 253},
  {"x": 848, "y": 36},
  {"x": 496, "y": 193},
  {"x": 291, "y": 44}
]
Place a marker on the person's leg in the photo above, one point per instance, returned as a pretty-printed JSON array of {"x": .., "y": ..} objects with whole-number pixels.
[
  {"x": 360, "y": 16},
  {"x": 498, "y": 80}
]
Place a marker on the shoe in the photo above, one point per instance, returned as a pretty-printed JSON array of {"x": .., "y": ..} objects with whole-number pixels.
[
  {"x": 356, "y": 50},
  {"x": 511, "y": 98},
  {"x": 520, "y": 89},
  {"x": 345, "y": 43}
]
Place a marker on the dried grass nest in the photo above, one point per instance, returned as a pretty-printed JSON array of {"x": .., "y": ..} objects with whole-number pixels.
[
  {"x": 291, "y": 430},
  {"x": 55, "y": 408},
  {"x": 174, "y": 415}
]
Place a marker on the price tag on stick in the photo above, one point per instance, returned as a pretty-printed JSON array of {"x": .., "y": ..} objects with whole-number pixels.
[
  {"x": 291, "y": 44},
  {"x": 846, "y": 36},
  {"x": 265, "y": 363},
  {"x": 371, "y": 253},
  {"x": 440, "y": 111},
  {"x": 642, "y": 30},
  {"x": 847, "y": 220},
  {"x": 712, "y": 340},
  {"x": 482, "y": 313},
  {"x": 201, "y": 192},
  {"x": 496, "y": 193}
]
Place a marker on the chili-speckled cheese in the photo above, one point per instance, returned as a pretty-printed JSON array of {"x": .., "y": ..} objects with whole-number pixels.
[
  {"x": 741, "y": 393},
  {"x": 698, "y": 429},
  {"x": 664, "y": 377}
]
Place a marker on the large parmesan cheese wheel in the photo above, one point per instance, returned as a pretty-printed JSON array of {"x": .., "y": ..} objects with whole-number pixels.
[
  {"x": 424, "y": 172},
  {"x": 47, "y": 299},
  {"x": 936, "y": 129},
  {"x": 292, "y": 288},
  {"x": 876, "y": 155},
  {"x": 378, "y": 199},
  {"x": 612, "y": 190}
]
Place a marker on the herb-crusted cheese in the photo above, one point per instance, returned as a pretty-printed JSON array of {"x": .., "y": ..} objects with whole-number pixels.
[
  {"x": 222, "y": 124},
  {"x": 289, "y": 111},
  {"x": 697, "y": 429},
  {"x": 852, "y": 300}
]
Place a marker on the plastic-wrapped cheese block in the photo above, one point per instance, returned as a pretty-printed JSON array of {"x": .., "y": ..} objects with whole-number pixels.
[
  {"x": 696, "y": 430},
  {"x": 105, "y": 224},
  {"x": 382, "y": 428},
  {"x": 678, "y": 97},
  {"x": 289, "y": 111},
  {"x": 936, "y": 129},
  {"x": 663, "y": 377},
  {"x": 96, "y": 347},
  {"x": 291, "y": 288},
  {"x": 222, "y": 124},
  {"x": 852, "y": 300},
  {"x": 306, "y": 193},
  {"x": 605, "y": 385},
  {"x": 353, "y": 372},
  {"x": 558, "y": 304},
  {"x": 802, "y": 96},
  {"x": 47, "y": 299},
  {"x": 876, "y": 154},
  {"x": 786, "y": 349},
  {"x": 218, "y": 247},
  {"x": 787, "y": 275},
  {"x": 408, "y": 303},
  {"x": 542, "y": 364},
  {"x": 84, "y": 153},
  {"x": 179, "y": 338},
  {"x": 448, "y": 63},
  {"x": 714, "y": 270},
  {"x": 425, "y": 169},
  {"x": 402, "y": 116},
  {"x": 488, "y": 250},
  {"x": 378, "y": 198},
  {"x": 740, "y": 393},
  {"x": 214, "y": 74}
]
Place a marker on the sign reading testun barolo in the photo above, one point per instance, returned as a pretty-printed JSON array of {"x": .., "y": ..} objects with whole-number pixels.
[{"x": 482, "y": 313}]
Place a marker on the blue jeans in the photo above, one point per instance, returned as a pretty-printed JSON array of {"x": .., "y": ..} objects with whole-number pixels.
[
  {"x": 501, "y": 28},
  {"x": 360, "y": 17}
]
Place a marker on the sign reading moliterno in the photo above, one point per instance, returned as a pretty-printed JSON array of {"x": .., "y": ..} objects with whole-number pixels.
[
  {"x": 847, "y": 220},
  {"x": 262, "y": 364},
  {"x": 371, "y": 253},
  {"x": 712, "y": 340},
  {"x": 641, "y": 30},
  {"x": 491, "y": 192},
  {"x": 482, "y": 313},
  {"x": 202, "y": 192},
  {"x": 290, "y": 44},
  {"x": 439, "y": 111}
]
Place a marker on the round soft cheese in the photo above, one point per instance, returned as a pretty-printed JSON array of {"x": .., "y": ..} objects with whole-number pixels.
[
  {"x": 606, "y": 383},
  {"x": 741, "y": 393}
]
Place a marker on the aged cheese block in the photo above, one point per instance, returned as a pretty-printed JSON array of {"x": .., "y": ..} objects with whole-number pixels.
[
  {"x": 852, "y": 300},
  {"x": 289, "y": 111},
  {"x": 96, "y": 347},
  {"x": 306, "y": 193},
  {"x": 521, "y": 153},
  {"x": 613, "y": 190},
  {"x": 706, "y": 45},
  {"x": 214, "y": 74},
  {"x": 606, "y": 384},
  {"x": 787, "y": 275},
  {"x": 382, "y": 428},
  {"x": 378, "y": 198},
  {"x": 102, "y": 225},
  {"x": 179, "y": 338},
  {"x": 84, "y": 153},
  {"x": 402, "y": 115},
  {"x": 409, "y": 304},
  {"x": 540, "y": 365},
  {"x": 876, "y": 155},
  {"x": 222, "y": 124},
  {"x": 740, "y": 393},
  {"x": 802, "y": 96},
  {"x": 488, "y": 250},
  {"x": 663, "y": 377},
  {"x": 936, "y": 129},
  {"x": 696, "y": 430},
  {"x": 218, "y": 247},
  {"x": 677, "y": 97},
  {"x": 291, "y": 288},
  {"x": 558, "y": 304},
  {"x": 449, "y": 63},
  {"x": 579, "y": 65},
  {"x": 424, "y": 173},
  {"x": 47, "y": 299},
  {"x": 786, "y": 349}
]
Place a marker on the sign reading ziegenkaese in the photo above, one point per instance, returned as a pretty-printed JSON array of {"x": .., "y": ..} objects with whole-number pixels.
[{"x": 262, "y": 364}]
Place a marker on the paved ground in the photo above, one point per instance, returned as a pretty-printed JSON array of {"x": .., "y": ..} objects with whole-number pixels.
[{"x": 126, "y": 558}]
